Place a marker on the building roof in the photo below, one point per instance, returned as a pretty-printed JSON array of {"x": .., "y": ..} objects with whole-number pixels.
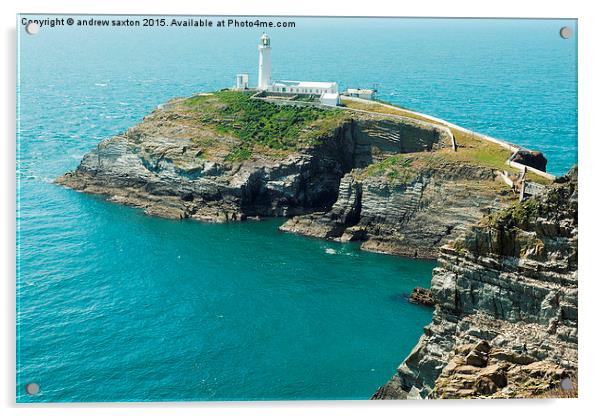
[{"x": 304, "y": 84}]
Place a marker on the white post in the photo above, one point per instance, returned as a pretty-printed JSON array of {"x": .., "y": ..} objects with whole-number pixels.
[{"x": 265, "y": 63}]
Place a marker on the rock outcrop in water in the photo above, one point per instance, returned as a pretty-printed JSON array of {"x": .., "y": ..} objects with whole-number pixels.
[
  {"x": 422, "y": 296},
  {"x": 388, "y": 181},
  {"x": 505, "y": 322}
]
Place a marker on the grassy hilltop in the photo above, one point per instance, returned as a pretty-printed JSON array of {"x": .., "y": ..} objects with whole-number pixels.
[{"x": 262, "y": 127}]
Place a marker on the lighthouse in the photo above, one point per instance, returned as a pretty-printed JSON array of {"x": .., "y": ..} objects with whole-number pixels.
[
  {"x": 325, "y": 93},
  {"x": 265, "y": 63}
]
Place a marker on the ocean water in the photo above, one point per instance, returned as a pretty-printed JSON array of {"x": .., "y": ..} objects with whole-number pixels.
[{"x": 115, "y": 305}]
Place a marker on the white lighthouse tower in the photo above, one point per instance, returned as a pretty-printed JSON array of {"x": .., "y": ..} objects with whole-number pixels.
[{"x": 265, "y": 63}]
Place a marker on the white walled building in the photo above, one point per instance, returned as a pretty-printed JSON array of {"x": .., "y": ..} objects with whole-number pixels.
[
  {"x": 365, "y": 93},
  {"x": 242, "y": 81},
  {"x": 303, "y": 87},
  {"x": 330, "y": 98},
  {"x": 327, "y": 91}
]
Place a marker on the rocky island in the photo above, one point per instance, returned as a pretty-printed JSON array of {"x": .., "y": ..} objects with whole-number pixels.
[
  {"x": 505, "y": 289},
  {"x": 393, "y": 182}
]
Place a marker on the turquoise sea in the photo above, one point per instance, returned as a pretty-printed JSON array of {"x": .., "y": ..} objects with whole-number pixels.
[{"x": 113, "y": 305}]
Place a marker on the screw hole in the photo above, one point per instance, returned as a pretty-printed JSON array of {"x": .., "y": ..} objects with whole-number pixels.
[
  {"x": 32, "y": 28},
  {"x": 565, "y": 32},
  {"x": 566, "y": 384},
  {"x": 32, "y": 389}
]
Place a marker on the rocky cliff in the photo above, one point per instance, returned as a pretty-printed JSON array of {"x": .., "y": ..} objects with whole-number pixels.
[
  {"x": 392, "y": 182},
  {"x": 411, "y": 215},
  {"x": 505, "y": 321},
  {"x": 186, "y": 160}
]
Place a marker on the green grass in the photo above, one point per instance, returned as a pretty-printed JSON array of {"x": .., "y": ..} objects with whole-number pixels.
[
  {"x": 458, "y": 245},
  {"x": 239, "y": 153},
  {"x": 398, "y": 169},
  {"x": 274, "y": 130},
  {"x": 519, "y": 215},
  {"x": 263, "y": 125}
]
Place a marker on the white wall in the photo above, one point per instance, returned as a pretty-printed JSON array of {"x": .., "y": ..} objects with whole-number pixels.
[
  {"x": 330, "y": 101},
  {"x": 265, "y": 68},
  {"x": 299, "y": 90}
]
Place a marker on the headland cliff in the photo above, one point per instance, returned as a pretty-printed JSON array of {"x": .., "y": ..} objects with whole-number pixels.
[{"x": 394, "y": 183}]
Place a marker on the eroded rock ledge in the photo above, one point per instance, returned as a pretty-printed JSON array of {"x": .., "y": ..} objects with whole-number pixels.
[{"x": 505, "y": 321}]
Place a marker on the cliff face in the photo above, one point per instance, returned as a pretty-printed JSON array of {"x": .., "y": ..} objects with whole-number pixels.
[
  {"x": 505, "y": 321},
  {"x": 347, "y": 176},
  {"x": 410, "y": 217},
  {"x": 162, "y": 174},
  {"x": 186, "y": 161},
  {"x": 505, "y": 290}
]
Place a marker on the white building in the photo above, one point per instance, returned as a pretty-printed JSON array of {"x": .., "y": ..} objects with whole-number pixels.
[
  {"x": 327, "y": 91},
  {"x": 304, "y": 87},
  {"x": 361, "y": 93},
  {"x": 330, "y": 98},
  {"x": 242, "y": 81}
]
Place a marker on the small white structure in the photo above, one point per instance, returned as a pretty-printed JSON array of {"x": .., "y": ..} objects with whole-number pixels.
[
  {"x": 242, "y": 81},
  {"x": 330, "y": 98},
  {"x": 361, "y": 93},
  {"x": 265, "y": 63},
  {"x": 327, "y": 91}
]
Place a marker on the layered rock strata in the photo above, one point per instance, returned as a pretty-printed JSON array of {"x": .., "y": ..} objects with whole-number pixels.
[
  {"x": 411, "y": 218},
  {"x": 505, "y": 320}
]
